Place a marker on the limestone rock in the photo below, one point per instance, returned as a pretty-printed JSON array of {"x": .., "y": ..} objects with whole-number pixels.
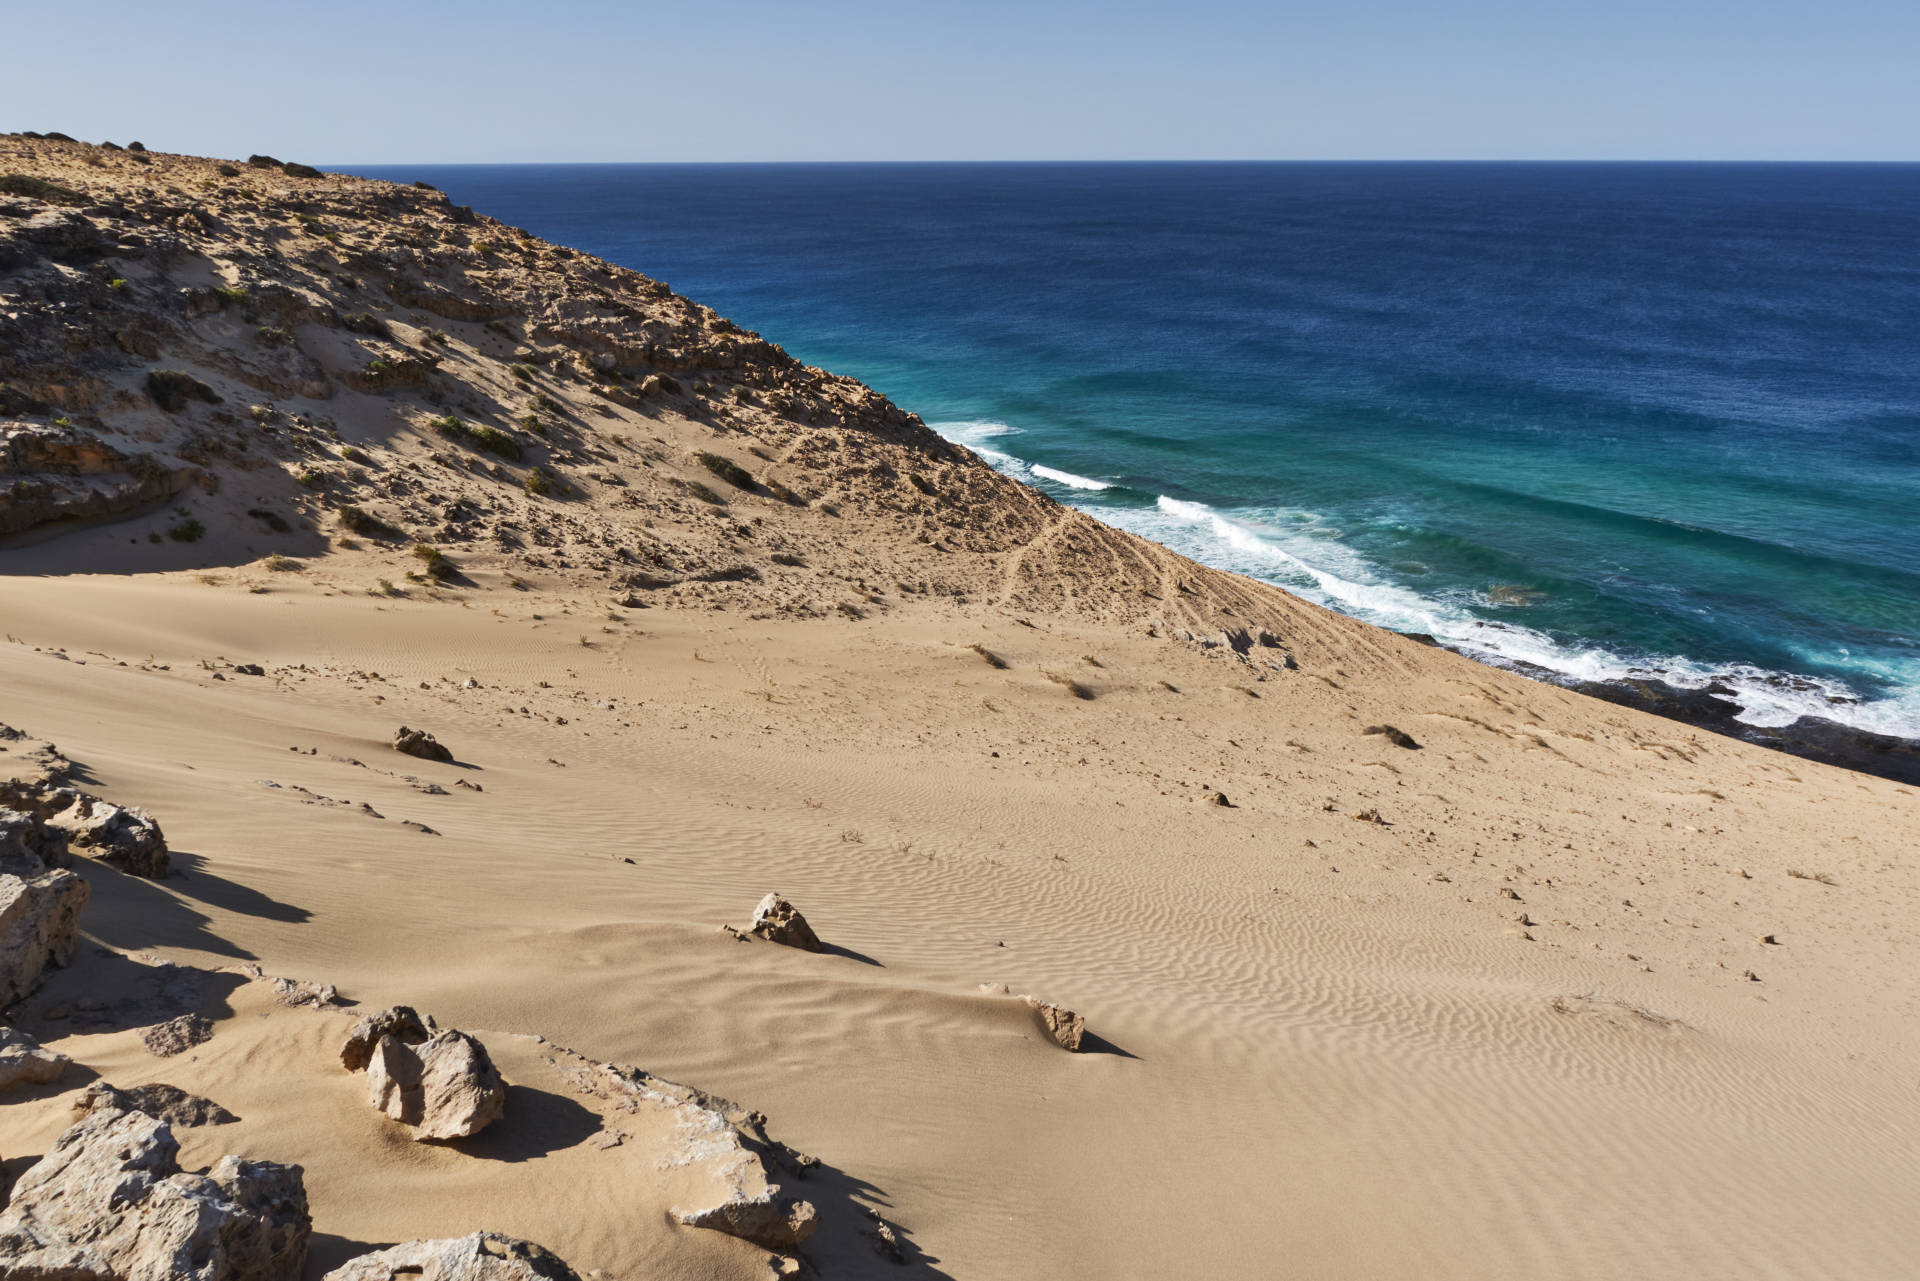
[
  {"x": 24, "y": 1061},
  {"x": 446, "y": 1089},
  {"x": 177, "y": 1035},
  {"x": 484, "y": 1256},
  {"x": 768, "y": 1220},
  {"x": 109, "y": 1202},
  {"x": 38, "y": 918},
  {"x": 125, "y": 837},
  {"x": 779, "y": 921},
  {"x": 417, "y": 742},
  {"x": 163, "y": 1102},
  {"x": 28, "y": 847},
  {"x": 1063, "y": 1025},
  {"x": 398, "y": 1021}
]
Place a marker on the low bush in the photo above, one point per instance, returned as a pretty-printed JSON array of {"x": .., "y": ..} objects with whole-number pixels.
[
  {"x": 361, "y": 521},
  {"x": 726, "y": 469},
  {"x": 53, "y": 193},
  {"x": 187, "y": 531},
  {"x": 437, "y": 566}
]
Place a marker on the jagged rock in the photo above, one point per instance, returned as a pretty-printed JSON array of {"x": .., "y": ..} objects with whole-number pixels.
[
  {"x": 163, "y": 1102},
  {"x": 779, "y": 921},
  {"x": 109, "y": 1202},
  {"x": 119, "y": 835},
  {"x": 417, "y": 742},
  {"x": 1063, "y": 1025},
  {"x": 177, "y": 1035},
  {"x": 446, "y": 1089},
  {"x": 399, "y": 1021},
  {"x": 38, "y": 918},
  {"x": 484, "y": 1256},
  {"x": 24, "y": 1061},
  {"x": 28, "y": 847},
  {"x": 768, "y": 1220}
]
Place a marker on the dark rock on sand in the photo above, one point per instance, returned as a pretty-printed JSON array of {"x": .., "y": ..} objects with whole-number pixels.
[{"x": 417, "y": 742}]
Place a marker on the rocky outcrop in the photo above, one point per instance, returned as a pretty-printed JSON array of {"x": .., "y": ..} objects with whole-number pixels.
[
  {"x": 109, "y": 1202},
  {"x": 52, "y": 473},
  {"x": 768, "y": 1219},
  {"x": 483, "y": 1256},
  {"x": 779, "y": 921},
  {"x": 401, "y": 1022},
  {"x": 28, "y": 847},
  {"x": 122, "y": 836},
  {"x": 39, "y": 916},
  {"x": 24, "y": 1061},
  {"x": 446, "y": 1088},
  {"x": 417, "y": 742}
]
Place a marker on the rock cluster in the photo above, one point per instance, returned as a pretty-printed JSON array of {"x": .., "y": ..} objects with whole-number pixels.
[
  {"x": 483, "y": 1256},
  {"x": 122, "y": 836},
  {"x": 109, "y": 1202},
  {"x": 443, "y": 1085}
]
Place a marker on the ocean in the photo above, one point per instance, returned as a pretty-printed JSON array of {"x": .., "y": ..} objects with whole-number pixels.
[{"x": 1597, "y": 420}]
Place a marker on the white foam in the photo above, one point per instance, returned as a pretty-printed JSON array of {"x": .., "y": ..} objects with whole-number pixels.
[
  {"x": 1305, "y": 556},
  {"x": 1067, "y": 478}
]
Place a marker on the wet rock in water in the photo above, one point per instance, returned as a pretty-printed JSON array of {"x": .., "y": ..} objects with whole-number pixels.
[
  {"x": 1398, "y": 737},
  {"x": 1066, "y": 1028},
  {"x": 779, "y": 921},
  {"x": 446, "y": 1089},
  {"x": 24, "y": 1061},
  {"x": 177, "y": 1035},
  {"x": 38, "y": 919},
  {"x": 417, "y": 742},
  {"x": 109, "y": 1202},
  {"x": 401, "y": 1022},
  {"x": 163, "y": 1102},
  {"x": 483, "y": 1256}
]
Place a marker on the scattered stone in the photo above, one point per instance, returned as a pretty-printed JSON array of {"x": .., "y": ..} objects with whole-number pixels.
[
  {"x": 1220, "y": 799},
  {"x": 779, "y": 921},
  {"x": 484, "y": 1256},
  {"x": 417, "y": 742},
  {"x": 177, "y": 1035},
  {"x": 1398, "y": 737},
  {"x": 163, "y": 1102},
  {"x": 249, "y": 669},
  {"x": 1509, "y": 892},
  {"x": 38, "y": 920},
  {"x": 109, "y": 1202},
  {"x": 447, "y": 1089},
  {"x": 1066, "y": 1028},
  {"x": 401, "y": 1022},
  {"x": 1371, "y": 816},
  {"x": 24, "y": 1061}
]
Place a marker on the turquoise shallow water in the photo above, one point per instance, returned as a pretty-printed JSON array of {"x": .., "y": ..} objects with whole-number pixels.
[{"x": 1603, "y": 419}]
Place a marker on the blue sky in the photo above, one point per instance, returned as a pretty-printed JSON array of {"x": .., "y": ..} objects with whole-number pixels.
[{"x": 354, "y": 82}]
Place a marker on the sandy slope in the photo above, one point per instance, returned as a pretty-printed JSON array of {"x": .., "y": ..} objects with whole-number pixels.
[
  {"x": 1333, "y": 1052},
  {"x": 1495, "y": 1006}
]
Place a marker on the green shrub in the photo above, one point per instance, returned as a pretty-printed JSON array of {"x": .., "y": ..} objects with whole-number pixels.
[
  {"x": 360, "y": 521},
  {"x": 491, "y": 439},
  {"x": 726, "y": 469},
  {"x": 361, "y": 322},
  {"x": 539, "y": 482},
  {"x": 275, "y": 335},
  {"x": 438, "y": 567},
  {"x": 354, "y": 455},
  {"x": 231, "y": 297},
  {"x": 117, "y": 284},
  {"x": 187, "y": 531}
]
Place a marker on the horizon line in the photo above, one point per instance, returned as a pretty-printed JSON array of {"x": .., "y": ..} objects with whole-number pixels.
[{"x": 1358, "y": 160}]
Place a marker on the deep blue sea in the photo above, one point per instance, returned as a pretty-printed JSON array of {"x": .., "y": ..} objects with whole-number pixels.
[{"x": 1601, "y": 418}]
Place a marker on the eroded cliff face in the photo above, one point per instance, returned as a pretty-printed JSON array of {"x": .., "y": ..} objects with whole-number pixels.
[{"x": 272, "y": 360}]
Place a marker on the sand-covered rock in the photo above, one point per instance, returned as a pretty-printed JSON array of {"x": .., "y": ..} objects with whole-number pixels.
[
  {"x": 159, "y": 1100},
  {"x": 109, "y": 1202},
  {"x": 417, "y": 742},
  {"x": 1066, "y": 1028},
  {"x": 446, "y": 1088},
  {"x": 39, "y": 917},
  {"x": 779, "y": 921},
  {"x": 483, "y": 1256},
  {"x": 24, "y": 1061}
]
